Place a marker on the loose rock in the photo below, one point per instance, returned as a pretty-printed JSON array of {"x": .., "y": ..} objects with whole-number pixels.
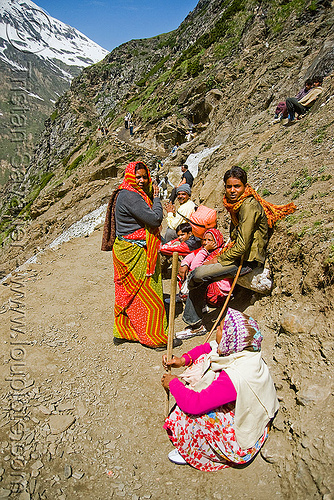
[{"x": 59, "y": 423}]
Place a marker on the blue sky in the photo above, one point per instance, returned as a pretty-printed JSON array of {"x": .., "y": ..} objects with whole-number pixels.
[{"x": 113, "y": 22}]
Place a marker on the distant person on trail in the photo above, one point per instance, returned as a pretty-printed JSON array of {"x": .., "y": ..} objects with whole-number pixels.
[
  {"x": 176, "y": 217},
  {"x": 131, "y": 231},
  {"x": 281, "y": 110},
  {"x": 163, "y": 187},
  {"x": 175, "y": 148},
  {"x": 189, "y": 135},
  {"x": 127, "y": 118},
  {"x": 186, "y": 178},
  {"x": 223, "y": 412},
  {"x": 131, "y": 125},
  {"x": 250, "y": 217}
]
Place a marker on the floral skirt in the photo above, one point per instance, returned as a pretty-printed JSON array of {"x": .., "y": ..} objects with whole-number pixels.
[
  {"x": 207, "y": 442},
  {"x": 139, "y": 308}
]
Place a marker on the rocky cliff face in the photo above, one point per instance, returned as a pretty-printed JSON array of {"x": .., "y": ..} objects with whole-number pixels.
[
  {"x": 39, "y": 56},
  {"x": 221, "y": 73}
]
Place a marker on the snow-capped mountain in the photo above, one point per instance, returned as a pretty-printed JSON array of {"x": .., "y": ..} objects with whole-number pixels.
[
  {"x": 39, "y": 56},
  {"x": 29, "y": 29}
]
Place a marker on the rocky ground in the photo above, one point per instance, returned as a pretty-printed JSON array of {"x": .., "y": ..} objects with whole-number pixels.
[
  {"x": 76, "y": 441},
  {"x": 90, "y": 414}
]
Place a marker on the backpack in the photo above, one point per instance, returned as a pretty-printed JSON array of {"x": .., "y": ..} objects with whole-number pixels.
[{"x": 202, "y": 219}]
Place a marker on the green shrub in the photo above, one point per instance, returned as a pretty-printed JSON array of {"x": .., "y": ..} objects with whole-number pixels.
[
  {"x": 65, "y": 160},
  {"x": 302, "y": 183},
  {"x": 266, "y": 146},
  {"x": 41, "y": 183},
  {"x": 194, "y": 67},
  {"x": 54, "y": 115},
  {"x": 280, "y": 11},
  {"x": 92, "y": 151},
  {"x": 168, "y": 42},
  {"x": 330, "y": 258},
  {"x": 45, "y": 179},
  {"x": 152, "y": 71},
  {"x": 219, "y": 31},
  {"x": 313, "y": 5},
  {"x": 325, "y": 177},
  {"x": 211, "y": 83},
  {"x": 74, "y": 163}
]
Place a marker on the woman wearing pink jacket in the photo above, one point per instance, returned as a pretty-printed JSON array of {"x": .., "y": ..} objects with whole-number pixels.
[{"x": 212, "y": 244}]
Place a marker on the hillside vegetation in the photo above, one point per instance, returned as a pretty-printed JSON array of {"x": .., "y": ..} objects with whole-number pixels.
[{"x": 222, "y": 72}]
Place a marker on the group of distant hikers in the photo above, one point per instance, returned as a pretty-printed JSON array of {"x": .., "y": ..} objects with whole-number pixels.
[{"x": 225, "y": 399}]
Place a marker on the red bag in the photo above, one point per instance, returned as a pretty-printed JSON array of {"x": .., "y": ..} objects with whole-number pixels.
[
  {"x": 175, "y": 246},
  {"x": 202, "y": 219}
]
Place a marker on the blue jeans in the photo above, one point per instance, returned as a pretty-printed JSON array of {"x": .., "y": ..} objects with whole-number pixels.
[{"x": 199, "y": 279}]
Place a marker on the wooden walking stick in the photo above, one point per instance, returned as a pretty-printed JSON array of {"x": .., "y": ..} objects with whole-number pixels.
[
  {"x": 171, "y": 320},
  {"x": 226, "y": 301}
]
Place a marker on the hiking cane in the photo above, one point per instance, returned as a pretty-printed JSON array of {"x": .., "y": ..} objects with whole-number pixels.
[
  {"x": 171, "y": 320},
  {"x": 226, "y": 301}
]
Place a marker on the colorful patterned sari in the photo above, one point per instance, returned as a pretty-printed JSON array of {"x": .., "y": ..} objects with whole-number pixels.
[
  {"x": 139, "y": 309},
  {"x": 232, "y": 434},
  {"x": 207, "y": 442}
]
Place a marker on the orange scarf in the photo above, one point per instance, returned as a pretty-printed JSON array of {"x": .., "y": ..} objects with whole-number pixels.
[
  {"x": 152, "y": 234},
  {"x": 273, "y": 212}
]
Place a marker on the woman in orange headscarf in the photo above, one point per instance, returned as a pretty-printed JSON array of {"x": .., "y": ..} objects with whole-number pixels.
[{"x": 131, "y": 230}]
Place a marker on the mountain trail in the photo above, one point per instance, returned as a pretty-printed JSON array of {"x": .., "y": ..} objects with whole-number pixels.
[{"x": 94, "y": 412}]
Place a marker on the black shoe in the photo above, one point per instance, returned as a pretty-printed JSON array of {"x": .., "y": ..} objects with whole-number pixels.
[
  {"x": 177, "y": 299},
  {"x": 118, "y": 341},
  {"x": 176, "y": 343}
]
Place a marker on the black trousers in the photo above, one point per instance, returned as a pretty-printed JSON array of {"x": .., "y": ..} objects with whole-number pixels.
[{"x": 294, "y": 107}]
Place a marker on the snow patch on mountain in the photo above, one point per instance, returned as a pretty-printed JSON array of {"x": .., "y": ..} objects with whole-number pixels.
[
  {"x": 28, "y": 28},
  {"x": 194, "y": 159}
]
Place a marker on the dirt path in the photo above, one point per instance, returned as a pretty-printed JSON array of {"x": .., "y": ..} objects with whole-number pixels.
[
  {"x": 124, "y": 135},
  {"x": 90, "y": 424}
]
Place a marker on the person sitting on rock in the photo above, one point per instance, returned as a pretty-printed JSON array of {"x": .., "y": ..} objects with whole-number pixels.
[
  {"x": 176, "y": 217},
  {"x": 250, "y": 217},
  {"x": 212, "y": 244},
  {"x": 303, "y": 105},
  {"x": 186, "y": 178},
  {"x": 222, "y": 415},
  {"x": 281, "y": 110}
]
